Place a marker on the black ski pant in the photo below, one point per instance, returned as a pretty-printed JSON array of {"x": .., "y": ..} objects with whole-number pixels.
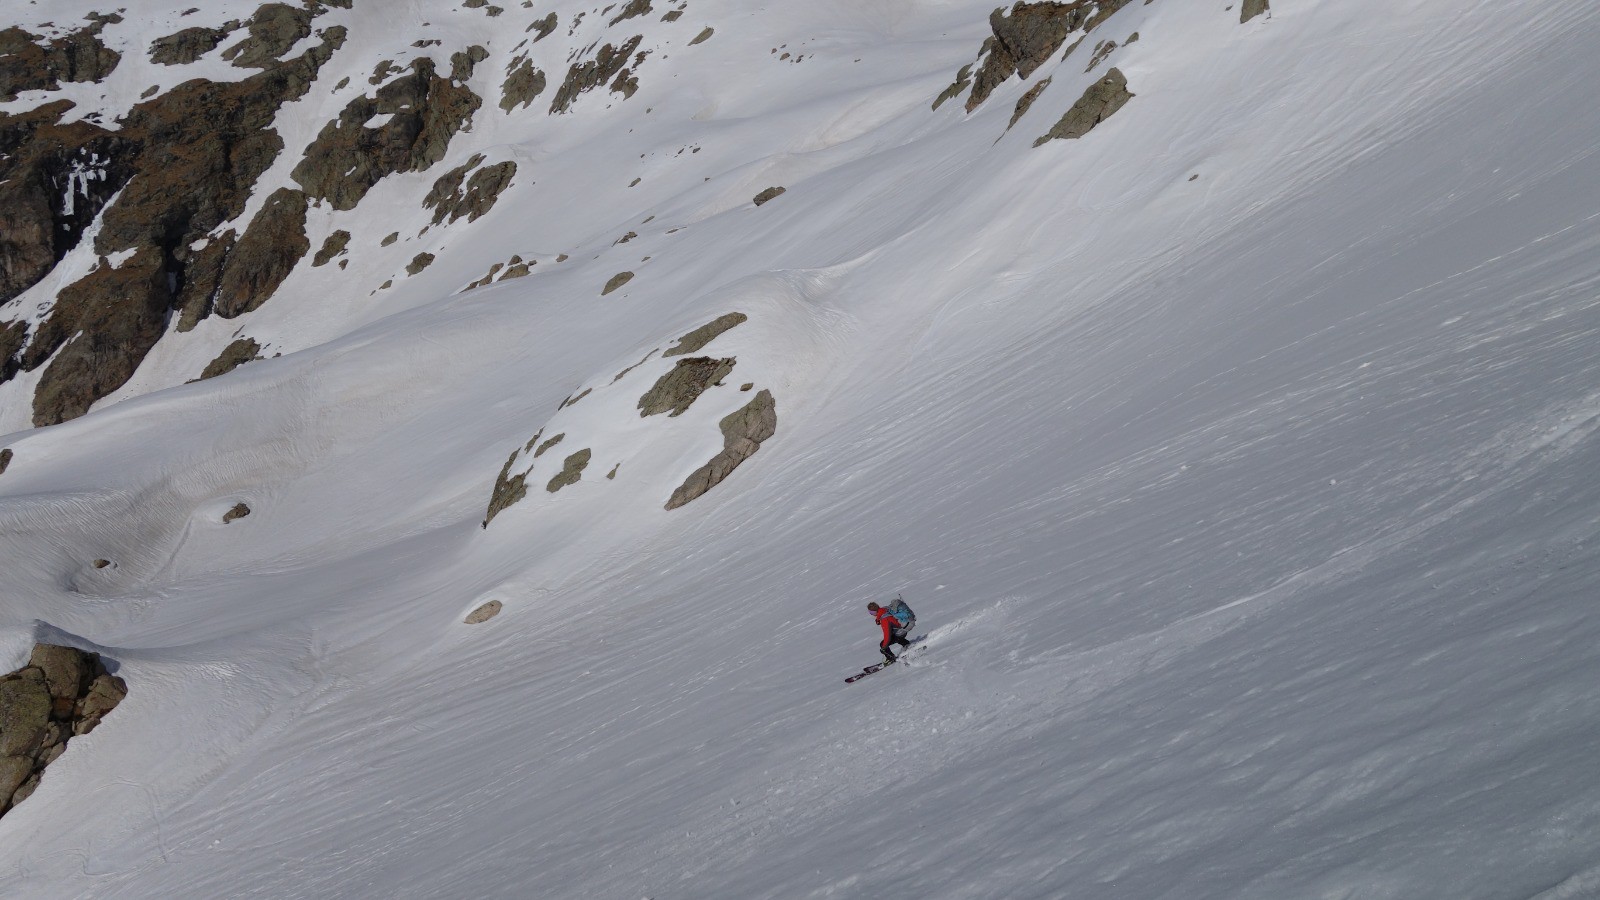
[{"x": 896, "y": 636}]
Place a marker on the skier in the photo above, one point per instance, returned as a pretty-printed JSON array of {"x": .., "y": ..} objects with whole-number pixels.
[{"x": 894, "y": 630}]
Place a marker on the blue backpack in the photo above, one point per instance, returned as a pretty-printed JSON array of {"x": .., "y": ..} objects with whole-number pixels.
[{"x": 903, "y": 615}]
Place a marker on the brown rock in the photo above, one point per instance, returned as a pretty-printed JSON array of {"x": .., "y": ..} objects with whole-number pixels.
[
  {"x": 609, "y": 63},
  {"x": 507, "y": 490},
  {"x": 265, "y": 254},
  {"x": 14, "y": 770},
  {"x": 571, "y": 470},
  {"x": 186, "y": 46},
  {"x": 1252, "y": 8},
  {"x": 523, "y": 83},
  {"x": 705, "y": 334},
  {"x": 768, "y": 194},
  {"x": 5, "y": 459},
  {"x": 675, "y": 391},
  {"x": 238, "y": 511},
  {"x": 66, "y": 671},
  {"x": 25, "y": 708},
  {"x": 483, "y": 613},
  {"x": 743, "y": 432},
  {"x": 334, "y": 245},
  {"x": 233, "y": 356},
  {"x": 274, "y": 30},
  {"x": 616, "y": 281},
  {"x": 104, "y": 693},
  {"x": 1097, "y": 104}
]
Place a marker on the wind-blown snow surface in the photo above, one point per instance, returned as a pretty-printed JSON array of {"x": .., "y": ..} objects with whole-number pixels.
[{"x": 1252, "y": 519}]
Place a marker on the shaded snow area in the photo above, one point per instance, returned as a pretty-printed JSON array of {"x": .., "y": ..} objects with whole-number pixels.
[{"x": 1238, "y": 457}]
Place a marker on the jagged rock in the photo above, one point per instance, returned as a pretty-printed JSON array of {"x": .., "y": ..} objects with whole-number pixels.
[
  {"x": 634, "y": 8},
  {"x": 5, "y": 459},
  {"x": 26, "y": 64},
  {"x": 1098, "y": 103},
  {"x": 544, "y": 26},
  {"x": 186, "y": 46},
  {"x": 1025, "y": 40},
  {"x": 963, "y": 79},
  {"x": 1026, "y": 101},
  {"x": 508, "y": 489},
  {"x": 548, "y": 444},
  {"x": 704, "y": 35},
  {"x": 419, "y": 262},
  {"x": 672, "y": 15},
  {"x": 616, "y": 281},
  {"x": 571, "y": 470},
  {"x": 238, "y": 511},
  {"x": 201, "y": 277},
  {"x": 197, "y": 151},
  {"x": 743, "y": 432},
  {"x": 449, "y": 201},
  {"x": 265, "y": 255},
  {"x": 675, "y": 391},
  {"x": 768, "y": 194},
  {"x": 1101, "y": 51},
  {"x": 233, "y": 356},
  {"x": 1252, "y": 8},
  {"x": 333, "y": 246},
  {"x": 25, "y": 709},
  {"x": 347, "y": 158},
  {"x": 274, "y": 30},
  {"x": 704, "y": 335},
  {"x": 462, "y": 62},
  {"x": 523, "y": 83},
  {"x": 66, "y": 671},
  {"x": 105, "y": 692},
  {"x": 483, "y": 613},
  {"x": 608, "y": 64}
]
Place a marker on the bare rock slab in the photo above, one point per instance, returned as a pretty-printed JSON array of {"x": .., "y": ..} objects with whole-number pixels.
[{"x": 743, "y": 432}]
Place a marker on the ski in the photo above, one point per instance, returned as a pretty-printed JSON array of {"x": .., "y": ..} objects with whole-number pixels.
[{"x": 868, "y": 671}]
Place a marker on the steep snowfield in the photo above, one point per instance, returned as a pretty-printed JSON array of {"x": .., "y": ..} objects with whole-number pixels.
[{"x": 1252, "y": 518}]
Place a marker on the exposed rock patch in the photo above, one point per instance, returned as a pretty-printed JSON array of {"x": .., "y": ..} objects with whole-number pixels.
[
  {"x": 508, "y": 489},
  {"x": 1026, "y": 38},
  {"x": 265, "y": 255},
  {"x": 675, "y": 391},
  {"x": 5, "y": 459},
  {"x": 543, "y": 27},
  {"x": 1098, "y": 103},
  {"x": 616, "y": 281},
  {"x": 704, "y": 35},
  {"x": 742, "y": 435},
  {"x": 768, "y": 194},
  {"x": 424, "y": 112},
  {"x": 963, "y": 80},
  {"x": 483, "y": 613},
  {"x": 274, "y": 30},
  {"x": 418, "y": 263},
  {"x": 232, "y": 357},
  {"x": 610, "y": 63},
  {"x": 571, "y": 470},
  {"x": 62, "y": 692},
  {"x": 194, "y": 154},
  {"x": 28, "y": 63},
  {"x": 704, "y": 335},
  {"x": 634, "y": 8},
  {"x": 334, "y": 245},
  {"x": 236, "y": 512},
  {"x": 1252, "y": 8},
  {"x": 548, "y": 444},
  {"x": 1025, "y": 102},
  {"x": 523, "y": 83},
  {"x": 186, "y": 46},
  {"x": 450, "y": 201}
]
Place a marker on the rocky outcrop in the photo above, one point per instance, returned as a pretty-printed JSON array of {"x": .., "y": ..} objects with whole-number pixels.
[
  {"x": 425, "y": 111},
  {"x": 705, "y": 334},
  {"x": 274, "y": 30},
  {"x": 194, "y": 155},
  {"x": 1252, "y": 8},
  {"x": 1026, "y": 38},
  {"x": 419, "y": 262},
  {"x": 523, "y": 83},
  {"x": 1025, "y": 102},
  {"x": 571, "y": 470},
  {"x": 5, "y": 459},
  {"x": 29, "y": 63},
  {"x": 332, "y": 246},
  {"x": 616, "y": 281},
  {"x": 632, "y": 9},
  {"x": 675, "y": 391},
  {"x": 1098, "y": 103},
  {"x": 704, "y": 35},
  {"x": 61, "y": 693},
  {"x": 742, "y": 435},
  {"x": 543, "y": 27},
  {"x": 508, "y": 489},
  {"x": 450, "y": 201},
  {"x": 183, "y": 47},
  {"x": 962, "y": 82},
  {"x": 610, "y": 64},
  {"x": 484, "y": 613},
  {"x": 265, "y": 254},
  {"x": 236, "y": 512},
  {"x": 233, "y": 356},
  {"x": 768, "y": 194}
]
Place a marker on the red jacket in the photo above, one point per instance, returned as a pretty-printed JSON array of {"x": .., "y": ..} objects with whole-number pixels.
[{"x": 887, "y": 621}]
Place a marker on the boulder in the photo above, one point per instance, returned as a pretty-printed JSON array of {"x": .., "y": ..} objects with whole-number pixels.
[
  {"x": 705, "y": 334},
  {"x": 25, "y": 709},
  {"x": 743, "y": 432},
  {"x": 675, "y": 391},
  {"x": 1098, "y": 103},
  {"x": 66, "y": 671}
]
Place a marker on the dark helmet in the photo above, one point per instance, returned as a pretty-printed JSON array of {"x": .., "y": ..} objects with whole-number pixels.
[{"x": 872, "y": 607}]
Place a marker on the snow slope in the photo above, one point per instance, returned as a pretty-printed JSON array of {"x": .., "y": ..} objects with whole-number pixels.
[{"x": 1251, "y": 518}]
